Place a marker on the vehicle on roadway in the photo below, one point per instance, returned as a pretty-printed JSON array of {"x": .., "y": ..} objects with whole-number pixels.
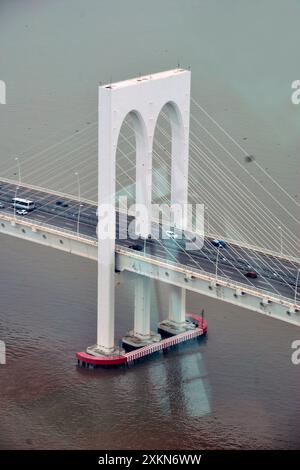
[
  {"x": 179, "y": 239},
  {"x": 219, "y": 243},
  {"x": 21, "y": 212},
  {"x": 251, "y": 274},
  {"x": 171, "y": 235},
  {"x": 23, "y": 204},
  {"x": 173, "y": 239},
  {"x": 136, "y": 247},
  {"x": 62, "y": 204}
]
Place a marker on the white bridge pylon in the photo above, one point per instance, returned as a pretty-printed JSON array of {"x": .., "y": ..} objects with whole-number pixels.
[{"x": 143, "y": 98}]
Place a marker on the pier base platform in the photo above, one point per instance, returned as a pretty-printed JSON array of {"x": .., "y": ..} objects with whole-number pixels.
[
  {"x": 195, "y": 326},
  {"x": 132, "y": 341},
  {"x": 170, "y": 328}
]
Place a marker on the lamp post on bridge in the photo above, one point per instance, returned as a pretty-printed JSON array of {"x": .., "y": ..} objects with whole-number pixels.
[
  {"x": 217, "y": 260},
  {"x": 144, "y": 243},
  {"x": 19, "y": 183},
  {"x": 79, "y": 201},
  {"x": 207, "y": 221},
  {"x": 281, "y": 240},
  {"x": 296, "y": 286}
]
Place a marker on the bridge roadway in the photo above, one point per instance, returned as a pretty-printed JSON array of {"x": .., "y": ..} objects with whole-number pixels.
[{"x": 275, "y": 274}]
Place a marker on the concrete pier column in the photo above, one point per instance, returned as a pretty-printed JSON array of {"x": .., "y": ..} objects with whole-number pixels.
[
  {"x": 177, "y": 304},
  {"x": 142, "y": 306},
  {"x": 141, "y": 335},
  {"x": 176, "y": 322}
]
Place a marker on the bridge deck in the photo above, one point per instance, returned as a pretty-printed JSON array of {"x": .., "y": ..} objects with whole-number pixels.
[{"x": 276, "y": 274}]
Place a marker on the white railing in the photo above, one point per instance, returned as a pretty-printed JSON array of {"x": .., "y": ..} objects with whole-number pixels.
[
  {"x": 163, "y": 344},
  {"x": 37, "y": 225}
]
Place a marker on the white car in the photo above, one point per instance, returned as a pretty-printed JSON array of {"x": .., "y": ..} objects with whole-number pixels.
[
  {"x": 171, "y": 235},
  {"x": 21, "y": 212}
]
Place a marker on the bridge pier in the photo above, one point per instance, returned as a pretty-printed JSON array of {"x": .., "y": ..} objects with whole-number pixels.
[
  {"x": 106, "y": 302},
  {"x": 177, "y": 304},
  {"x": 176, "y": 322},
  {"x": 142, "y": 306},
  {"x": 141, "y": 335}
]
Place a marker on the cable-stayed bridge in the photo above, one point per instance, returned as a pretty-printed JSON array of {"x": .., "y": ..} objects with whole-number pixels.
[{"x": 144, "y": 159}]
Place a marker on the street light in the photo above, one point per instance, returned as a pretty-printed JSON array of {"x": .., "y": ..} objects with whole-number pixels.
[
  {"x": 281, "y": 241},
  {"x": 79, "y": 202},
  {"x": 217, "y": 260},
  {"x": 207, "y": 223},
  {"x": 296, "y": 286},
  {"x": 19, "y": 170},
  {"x": 18, "y": 185}
]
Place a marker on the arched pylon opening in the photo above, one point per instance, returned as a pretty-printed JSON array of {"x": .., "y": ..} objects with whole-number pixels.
[
  {"x": 161, "y": 163},
  {"x": 170, "y": 162},
  {"x": 126, "y": 162}
]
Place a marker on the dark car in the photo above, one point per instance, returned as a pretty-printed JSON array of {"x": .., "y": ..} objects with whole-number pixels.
[
  {"x": 62, "y": 204},
  {"x": 219, "y": 243},
  {"x": 136, "y": 247},
  {"x": 251, "y": 274}
]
